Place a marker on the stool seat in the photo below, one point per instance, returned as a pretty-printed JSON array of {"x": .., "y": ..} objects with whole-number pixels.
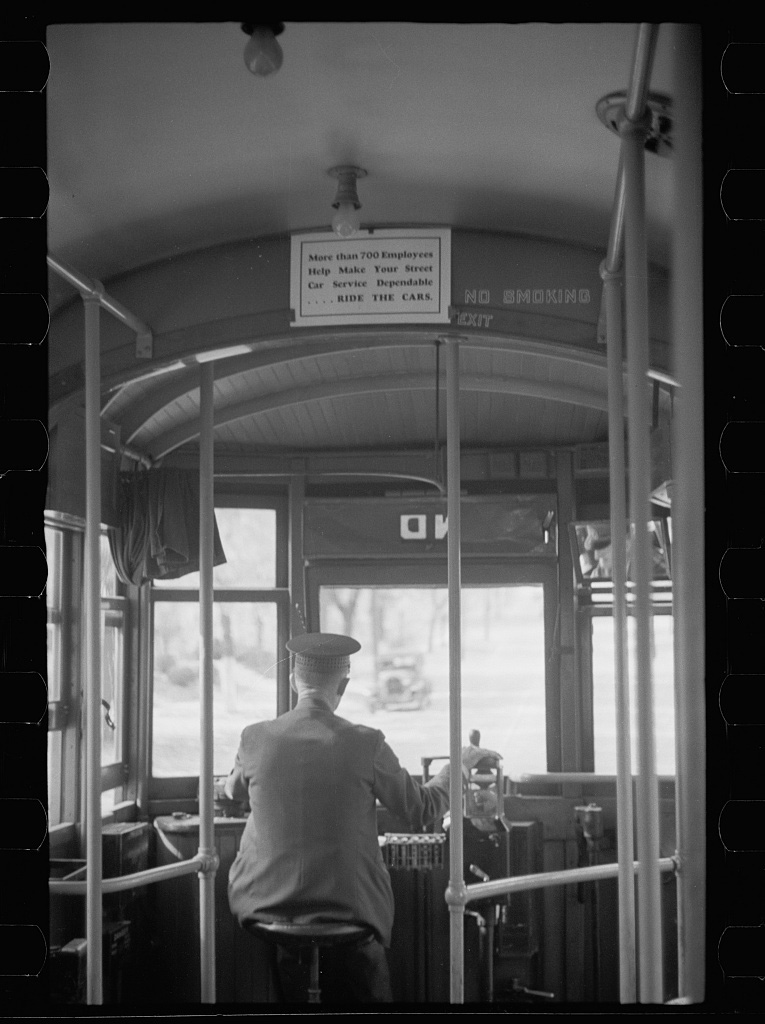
[
  {"x": 322, "y": 933},
  {"x": 314, "y": 936}
]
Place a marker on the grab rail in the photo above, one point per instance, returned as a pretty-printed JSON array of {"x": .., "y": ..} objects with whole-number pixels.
[
  {"x": 543, "y": 880},
  {"x": 199, "y": 862},
  {"x": 93, "y": 289},
  {"x": 559, "y": 778}
]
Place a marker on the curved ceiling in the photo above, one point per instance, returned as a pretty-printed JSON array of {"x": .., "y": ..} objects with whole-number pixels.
[
  {"x": 161, "y": 143},
  {"x": 387, "y": 400}
]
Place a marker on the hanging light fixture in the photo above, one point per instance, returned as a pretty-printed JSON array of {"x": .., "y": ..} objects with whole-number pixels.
[
  {"x": 346, "y": 221},
  {"x": 262, "y": 54}
]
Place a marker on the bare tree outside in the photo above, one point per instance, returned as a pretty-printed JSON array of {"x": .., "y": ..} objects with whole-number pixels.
[{"x": 400, "y": 678}]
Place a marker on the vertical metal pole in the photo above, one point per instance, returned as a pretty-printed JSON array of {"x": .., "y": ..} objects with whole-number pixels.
[
  {"x": 688, "y": 518},
  {"x": 636, "y": 280},
  {"x": 640, "y": 75},
  {"x": 298, "y": 612},
  {"x": 144, "y": 711},
  {"x": 454, "y": 579},
  {"x": 614, "y": 326},
  {"x": 93, "y": 897},
  {"x": 637, "y": 94},
  {"x": 206, "y": 796},
  {"x": 489, "y": 953}
]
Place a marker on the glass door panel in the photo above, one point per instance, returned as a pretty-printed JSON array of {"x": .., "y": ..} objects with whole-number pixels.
[{"x": 400, "y": 678}]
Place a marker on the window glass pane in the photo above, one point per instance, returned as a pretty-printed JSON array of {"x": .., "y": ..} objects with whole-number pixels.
[
  {"x": 54, "y": 556},
  {"x": 54, "y": 778},
  {"x": 604, "y": 694},
  {"x": 244, "y": 681},
  {"x": 109, "y": 798},
  {"x": 108, "y": 570},
  {"x": 112, "y": 682},
  {"x": 54, "y": 660},
  {"x": 400, "y": 680},
  {"x": 53, "y": 545},
  {"x": 248, "y": 536}
]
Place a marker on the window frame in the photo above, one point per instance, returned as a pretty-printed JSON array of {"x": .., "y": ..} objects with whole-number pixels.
[
  {"x": 181, "y": 791},
  {"x": 115, "y": 774},
  {"x": 64, "y": 712},
  {"x": 585, "y": 615},
  {"x": 476, "y": 571}
]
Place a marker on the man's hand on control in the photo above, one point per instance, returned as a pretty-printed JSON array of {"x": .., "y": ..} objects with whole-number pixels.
[{"x": 472, "y": 755}]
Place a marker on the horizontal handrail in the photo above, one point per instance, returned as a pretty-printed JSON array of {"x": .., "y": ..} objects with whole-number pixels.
[
  {"x": 544, "y": 880},
  {"x": 558, "y": 778},
  {"x": 351, "y": 473},
  {"x": 93, "y": 289},
  {"x": 60, "y": 886}
]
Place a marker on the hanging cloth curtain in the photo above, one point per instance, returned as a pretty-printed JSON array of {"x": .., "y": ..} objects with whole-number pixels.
[{"x": 158, "y": 535}]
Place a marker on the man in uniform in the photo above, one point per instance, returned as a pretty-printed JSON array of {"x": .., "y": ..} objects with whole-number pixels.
[{"x": 310, "y": 851}]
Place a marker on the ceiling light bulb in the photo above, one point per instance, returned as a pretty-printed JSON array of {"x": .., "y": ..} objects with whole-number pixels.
[
  {"x": 262, "y": 54},
  {"x": 346, "y": 221}
]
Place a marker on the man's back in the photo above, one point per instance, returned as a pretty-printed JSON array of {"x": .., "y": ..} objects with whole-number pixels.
[{"x": 310, "y": 850}]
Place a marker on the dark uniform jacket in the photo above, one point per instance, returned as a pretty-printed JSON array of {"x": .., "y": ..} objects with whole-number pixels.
[{"x": 309, "y": 850}]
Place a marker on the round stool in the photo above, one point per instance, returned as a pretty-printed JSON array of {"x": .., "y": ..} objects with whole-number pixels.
[{"x": 311, "y": 936}]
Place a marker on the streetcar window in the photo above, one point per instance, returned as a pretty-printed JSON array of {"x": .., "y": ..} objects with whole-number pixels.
[
  {"x": 400, "y": 678},
  {"x": 248, "y": 536},
  {"x": 113, "y": 678},
  {"x": 244, "y": 680},
  {"x": 54, "y": 776},
  {"x": 604, "y": 693},
  {"x": 109, "y": 582},
  {"x": 54, "y": 606},
  {"x": 108, "y": 800},
  {"x": 112, "y": 684},
  {"x": 54, "y": 556},
  {"x": 245, "y": 642}
]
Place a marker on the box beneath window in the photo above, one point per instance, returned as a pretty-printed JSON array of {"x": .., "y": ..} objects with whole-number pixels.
[{"x": 125, "y": 848}]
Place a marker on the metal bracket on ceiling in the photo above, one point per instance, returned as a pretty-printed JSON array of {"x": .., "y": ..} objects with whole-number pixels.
[
  {"x": 658, "y": 106},
  {"x": 144, "y": 345}
]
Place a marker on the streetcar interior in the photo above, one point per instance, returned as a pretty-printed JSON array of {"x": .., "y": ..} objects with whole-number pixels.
[{"x": 180, "y": 184}]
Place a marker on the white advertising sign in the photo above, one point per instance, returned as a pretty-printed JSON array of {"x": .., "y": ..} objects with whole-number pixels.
[{"x": 394, "y": 276}]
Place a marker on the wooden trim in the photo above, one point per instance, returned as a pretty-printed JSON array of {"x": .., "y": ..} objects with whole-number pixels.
[
  {"x": 278, "y": 595},
  {"x": 569, "y": 689}
]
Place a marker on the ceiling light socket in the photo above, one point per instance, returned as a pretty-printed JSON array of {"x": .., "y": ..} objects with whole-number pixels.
[{"x": 347, "y": 175}]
